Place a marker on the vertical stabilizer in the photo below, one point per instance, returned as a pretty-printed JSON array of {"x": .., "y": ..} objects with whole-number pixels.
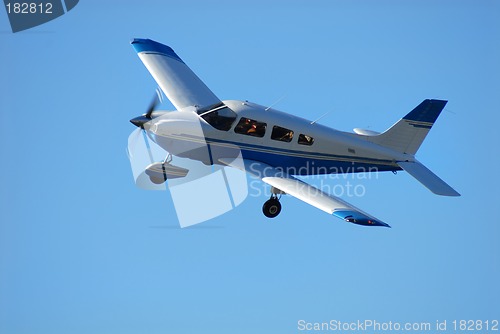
[{"x": 408, "y": 133}]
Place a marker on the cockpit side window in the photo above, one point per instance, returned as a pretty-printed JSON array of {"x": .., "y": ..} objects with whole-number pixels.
[
  {"x": 250, "y": 127},
  {"x": 221, "y": 118},
  {"x": 305, "y": 140},
  {"x": 282, "y": 134}
]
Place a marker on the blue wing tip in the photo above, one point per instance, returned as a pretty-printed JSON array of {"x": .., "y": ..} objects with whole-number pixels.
[
  {"x": 150, "y": 46},
  {"x": 359, "y": 219}
]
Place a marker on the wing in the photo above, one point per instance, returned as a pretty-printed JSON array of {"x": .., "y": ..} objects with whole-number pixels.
[
  {"x": 306, "y": 192},
  {"x": 181, "y": 86}
]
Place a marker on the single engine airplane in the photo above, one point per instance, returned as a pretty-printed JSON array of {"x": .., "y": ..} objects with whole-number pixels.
[{"x": 275, "y": 146}]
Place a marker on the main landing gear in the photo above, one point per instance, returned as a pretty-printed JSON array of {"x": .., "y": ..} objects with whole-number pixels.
[{"x": 272, "y": 207}]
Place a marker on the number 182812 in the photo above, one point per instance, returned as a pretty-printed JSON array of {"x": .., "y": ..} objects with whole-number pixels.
[{"x": 29, "y": 8}]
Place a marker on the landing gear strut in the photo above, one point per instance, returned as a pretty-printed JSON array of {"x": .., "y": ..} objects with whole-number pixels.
[
  {"x": 159, "y": 172},
  {"x": 159, "y": 180},
  {"x": 272, "y": 207}
]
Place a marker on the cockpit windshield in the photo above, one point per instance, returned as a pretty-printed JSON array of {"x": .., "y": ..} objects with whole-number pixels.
[{"x": 220, "y": 118}]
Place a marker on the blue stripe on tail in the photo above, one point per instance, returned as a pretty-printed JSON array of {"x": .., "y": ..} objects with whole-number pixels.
[{"x": 427, "y": 111}]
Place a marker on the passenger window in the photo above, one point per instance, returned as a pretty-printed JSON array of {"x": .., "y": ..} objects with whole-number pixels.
[
  {"x": 305, "y": 140},
  {"x": 250, "y": 127},
  {"x": 281, "y": 134}
]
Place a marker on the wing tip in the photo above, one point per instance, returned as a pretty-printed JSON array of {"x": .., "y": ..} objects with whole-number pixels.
[
  {"x": 450, "y": 192},
  {"x": 358, "y": 218},
  {"x": 148, "y": 45}
]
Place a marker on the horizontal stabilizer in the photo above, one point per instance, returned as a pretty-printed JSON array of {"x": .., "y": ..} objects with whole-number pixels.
[{"x": 428, "y": 178}]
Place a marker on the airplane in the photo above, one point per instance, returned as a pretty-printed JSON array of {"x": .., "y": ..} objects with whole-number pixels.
[{"x": 272, "y": 145}]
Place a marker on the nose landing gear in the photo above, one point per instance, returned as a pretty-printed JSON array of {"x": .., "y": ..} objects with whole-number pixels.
[{"x": 159, "y": 172}]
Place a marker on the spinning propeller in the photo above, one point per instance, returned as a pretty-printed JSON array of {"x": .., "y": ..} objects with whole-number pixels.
[
  {"x": 194, "y": 178},
  {"x": 143, "y": 152}
]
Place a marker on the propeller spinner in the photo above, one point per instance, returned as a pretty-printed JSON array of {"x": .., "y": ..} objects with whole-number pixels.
[{"x": 146, "y": 117}]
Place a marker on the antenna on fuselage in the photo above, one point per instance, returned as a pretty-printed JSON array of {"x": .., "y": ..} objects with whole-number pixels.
[
  {"x": 320, "y": 117},
  {"x": 275, "y": 103}
]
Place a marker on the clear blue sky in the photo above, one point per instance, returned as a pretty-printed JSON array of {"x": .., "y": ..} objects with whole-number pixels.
[{"x": 84, "y": 251}]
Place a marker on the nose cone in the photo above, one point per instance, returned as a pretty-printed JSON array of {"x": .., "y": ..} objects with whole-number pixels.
[{"x": 140, "y": 121}]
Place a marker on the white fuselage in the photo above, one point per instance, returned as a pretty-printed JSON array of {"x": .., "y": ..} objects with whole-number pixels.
[{"x": 311, "y": 149}]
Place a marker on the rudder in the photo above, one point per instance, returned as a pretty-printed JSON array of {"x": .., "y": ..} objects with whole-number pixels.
[{"x": 408, "y": 133}]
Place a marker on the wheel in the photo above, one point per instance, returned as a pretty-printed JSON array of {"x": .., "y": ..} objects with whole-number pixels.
[{"x": 271, "y": 208}]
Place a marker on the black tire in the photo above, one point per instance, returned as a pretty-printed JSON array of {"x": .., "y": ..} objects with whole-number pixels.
[{"x": 271, "y": 208}]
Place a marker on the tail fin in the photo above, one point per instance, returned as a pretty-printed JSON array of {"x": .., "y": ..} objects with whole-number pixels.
[{"x": 408, "y": 133}]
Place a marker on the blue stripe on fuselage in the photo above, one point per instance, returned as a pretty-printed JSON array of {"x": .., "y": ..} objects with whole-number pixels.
[
  {"x": 313, "y": 166},
  {"x": 294, "y": 162},
  {"x": 307, "y": 163}
]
